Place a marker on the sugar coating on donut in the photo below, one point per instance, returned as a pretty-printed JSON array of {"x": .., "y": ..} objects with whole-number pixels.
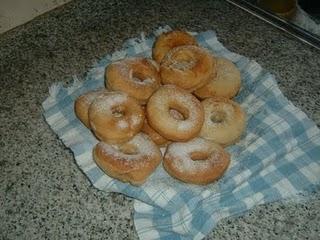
[
  {"x": 226, "y": 83},
  {"x": 132, "y": 161},
  {"x": 123, "y": 124},
  {"x": 183, "y": 162},
  {"x": 224, "y": 120},
  {"x": 196, "y": 161},
  {"x": 106, "y": 105},
  {"x": 185, "y": 125},
  {"x": 220, "y": 115},
  {"x": 135, "y": 119},
  {"x": 170, "y": 97},
  {"x": 143, "y": 149},
  {"x": 189, "y": 67},
  {"x": 115, "y": 117},
  {"x": 145, "y": 81},
  {"x": 189, "y": 57},
  {"x": 83, "y": 103},
  {"x": 138, "y": 77},
  {"x": 184, "y": 99},
  {"x": 123, "y": 68},
  {"x": 90, "y": 96},
  {"x": 183, "y": 66},
  {"x": 167, "y": 41}
]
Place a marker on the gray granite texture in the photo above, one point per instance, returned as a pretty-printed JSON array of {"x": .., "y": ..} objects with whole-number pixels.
[{"x": 43, "y": 194}]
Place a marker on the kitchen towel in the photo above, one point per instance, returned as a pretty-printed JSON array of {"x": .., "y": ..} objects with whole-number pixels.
[{"x": 278, "y": 156}]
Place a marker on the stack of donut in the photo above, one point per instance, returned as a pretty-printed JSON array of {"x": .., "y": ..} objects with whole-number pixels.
[{"x": 179, "y": 100}]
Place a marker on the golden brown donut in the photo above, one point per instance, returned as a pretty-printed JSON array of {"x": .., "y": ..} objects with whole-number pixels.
[
  {"x": 197, "y": 161},
  {"x": 115, "y": 117},
  {"x": 226, "y": 83},
  {"x": 188, "y": 67},
  {"x": 170, "y": 97},
  {"x": 224, "y": 120},
  {"x": 138, "y": 77},
  {"x": 82, "y": 104},
  {"x": 132, "y": 162},
  {"x": 166, "y": 41},
  {"x": 153, "y": 134}
]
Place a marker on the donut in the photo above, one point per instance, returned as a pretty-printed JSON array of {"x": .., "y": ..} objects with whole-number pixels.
[
  {"x": 153, "y": 134},
  {"x": 115, "y": 117},
  {"x": 166, "y": 41},
  {"x": 131, "y": 162},
  {"x": 138, "y": 77},
  {"x": 226, "y": 83},
  {"x": 224, "y": 120},
  {"x": 188, "y": 67},
  {"x": 197, "y": 161},
  {"x": 170, "y": 97},
  {"x": 82, "y": 104}
]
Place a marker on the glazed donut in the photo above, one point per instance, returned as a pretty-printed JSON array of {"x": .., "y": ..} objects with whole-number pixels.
[
  {"x": 197, "y": 161},
  {"x": 115, "y": 117},
  {"x": 166, "y": 41},
  {"x": 224, "y": 120},
  {"x": 138, "y": 77},
  {"x": 170, "y": 97},
  {"x": 82, "y": 104},
  {"x": 226, "y": 83},
  {"x": 188, "y": 67},
  {"x": 131, "y": 162}
]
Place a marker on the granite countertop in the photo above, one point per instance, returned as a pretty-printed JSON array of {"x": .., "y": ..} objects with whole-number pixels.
[{"x": 43, "y": 194}]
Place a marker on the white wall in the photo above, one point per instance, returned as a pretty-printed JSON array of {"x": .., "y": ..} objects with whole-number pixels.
[{"x": 17, "y": 12}]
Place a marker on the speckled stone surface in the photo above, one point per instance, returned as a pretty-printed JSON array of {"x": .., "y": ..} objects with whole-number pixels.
[{"x": 43, "y": 195}]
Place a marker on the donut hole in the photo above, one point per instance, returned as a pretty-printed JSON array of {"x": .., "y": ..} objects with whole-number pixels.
[
  {"x": 136, "y": 76},
  {"x": 139, "y": 76},
  {"x": 176, "y": 114},
  {"x": 118, "y": 112},
  {"x": 199, "y": 156},
  {"x": 218, "y": 117}
]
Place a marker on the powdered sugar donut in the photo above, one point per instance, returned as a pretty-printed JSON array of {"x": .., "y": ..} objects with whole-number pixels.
[
  {"x": 166, "y": 41},
  {"x": 170, "y": 97},
  {"x": 226, "y": 83},
  {"x": 115, "y": 117},
  {"x": 131, "y": 162},
  {"x": 138, "y": 77},
  {"x": 224, "y": 120},
  {"x": 197, "y": 161},
  {"x": 188, "y": 67},
  {"x": 82, "y": 104}
]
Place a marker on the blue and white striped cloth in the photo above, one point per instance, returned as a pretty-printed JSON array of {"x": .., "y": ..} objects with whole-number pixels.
[{"x": 278, "y": 157}]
